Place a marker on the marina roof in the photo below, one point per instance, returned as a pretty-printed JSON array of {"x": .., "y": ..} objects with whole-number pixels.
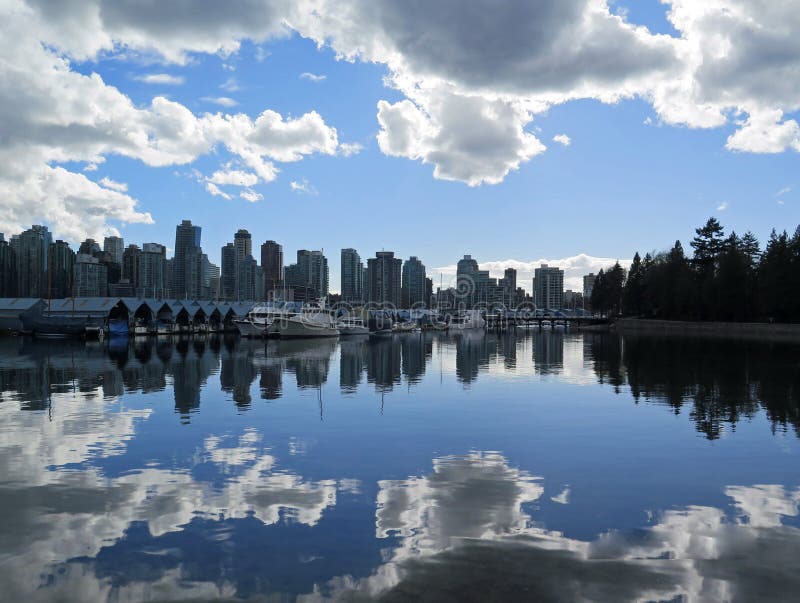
[
  {"x": 85, "y": 305},
  {"x": 18, "y": 304}
]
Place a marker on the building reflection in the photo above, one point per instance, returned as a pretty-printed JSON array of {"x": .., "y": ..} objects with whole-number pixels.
[
  {"x": 548, "y": 352},
  {"x": 717, "y": 382}
]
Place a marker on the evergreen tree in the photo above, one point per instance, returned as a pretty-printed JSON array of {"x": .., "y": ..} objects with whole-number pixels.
[
  {"x": 708, "y": 245},
  {"x": 632, "y": 297}
]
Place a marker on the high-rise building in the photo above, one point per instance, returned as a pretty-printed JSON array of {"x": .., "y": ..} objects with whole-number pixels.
[
  {"x": 509, "y": 285},
  {"x": 8, "y": 269},
  {"x": 61, "y": 269},
  {"x": 31, "y": 250},
  {"x": 385, "y": 278},
  {"x": 352, "y": 275},
  {"x": 548, "y": 287},
  {"x": 466, "y": 277},
  {"x": 249, "y": 275},
  {"x": 243, "y": 244},
  {"x": 187, "y": 262},
  {"x": 152, "y": 271},
  {"x": 89, "y": 247},
  {"x": 310, "y": 271},
  {"x": 114, "y": 246},
  {"x": 228, "y": 272},
  {"x": 272, "y": 266},
  {"x": 131, "y": 259},
  {"x": 214, "y": 281},
  {"x": 413, "y": 285},
  {"x": 588, "y": 285},
  {"x": 91, "y": 277}
]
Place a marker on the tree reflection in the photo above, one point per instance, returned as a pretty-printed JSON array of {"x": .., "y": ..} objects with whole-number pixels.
[{"x": 724, "y": 380}]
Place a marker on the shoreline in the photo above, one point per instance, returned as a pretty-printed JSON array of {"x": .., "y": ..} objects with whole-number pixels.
[{"x": 735, "y": 330}]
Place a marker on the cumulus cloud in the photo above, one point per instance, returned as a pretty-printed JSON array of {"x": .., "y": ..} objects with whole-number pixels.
[
  {"x": 53, "y": 114},
  {"x": 473, "y": 79},
  {"x": 313, "y": 77},
  {"x": 161, "y": 78},
  {"x": 562, "y": 139},
  {"x": 722, "y": 206},
  {"x": 574, "y": 267}
]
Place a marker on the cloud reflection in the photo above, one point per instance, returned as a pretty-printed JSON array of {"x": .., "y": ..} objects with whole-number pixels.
[{"x": 464, "y": 534}]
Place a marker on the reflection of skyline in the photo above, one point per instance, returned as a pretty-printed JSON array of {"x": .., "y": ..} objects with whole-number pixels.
[{"x": 719, "y": 382}]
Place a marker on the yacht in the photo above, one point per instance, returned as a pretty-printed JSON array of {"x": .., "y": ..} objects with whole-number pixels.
[
  {"x": 313, "y": 320},
  {"x": 405, "y": 327},
  {"x": 350, "y": 325},
  {"x": 471, "y": 319}
]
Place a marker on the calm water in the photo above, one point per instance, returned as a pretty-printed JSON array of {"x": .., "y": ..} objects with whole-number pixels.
[{"x": 474, "y": 467}]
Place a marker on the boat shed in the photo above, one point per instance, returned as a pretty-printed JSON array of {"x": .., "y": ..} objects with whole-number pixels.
[
  {"x": 11, "y": 308},
  {"x": 98, "y": 309}
]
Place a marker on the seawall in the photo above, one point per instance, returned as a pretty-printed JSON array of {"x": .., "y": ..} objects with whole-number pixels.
[{"x": 738, "y": 330}]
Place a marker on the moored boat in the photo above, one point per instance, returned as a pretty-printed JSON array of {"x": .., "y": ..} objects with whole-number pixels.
[{"x": 352, "y": 326}]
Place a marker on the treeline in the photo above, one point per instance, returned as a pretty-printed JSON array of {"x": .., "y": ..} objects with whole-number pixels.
[{"x": 727, "y": 278}]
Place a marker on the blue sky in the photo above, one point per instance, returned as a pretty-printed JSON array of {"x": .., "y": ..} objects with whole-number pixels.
[{"x": 639, "y": 171}]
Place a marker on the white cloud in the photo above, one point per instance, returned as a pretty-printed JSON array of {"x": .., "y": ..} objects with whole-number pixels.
[
  {"x": 224, "y": 101},
  {"x": 303, "y": 187},
  {"x": 230, "y": 85},
  {"x": 214, "y": 190},
  {"x": 562, "y": 498},
  {"x": 574, "y": 268},
  {"x": 114, "y": 185},
  {"x": 250, "y": 195},
  {"x": 161, "y": 78},
  {"x": 313, "y": 77},
  {"x": 473, "y": 80},
  {"x": 346, "y": 149},
  {"x": 785, "y": 190},
  {"x": 722, "y": 206},
  {"x": 562, "y": 139},
  {"x": 233, "y": 177}
]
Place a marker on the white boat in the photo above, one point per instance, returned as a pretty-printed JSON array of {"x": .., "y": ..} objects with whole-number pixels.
[
  {"x": 471, "y": 319},
  {"x": 312, "y": 321},
  {"x": 352, "y": 326},
  {"x": 546, "y": 325},
  {"x": 248, "y": 328},
  {"x": 560, "y": 325},
  {"x": 405, "y": 327}
]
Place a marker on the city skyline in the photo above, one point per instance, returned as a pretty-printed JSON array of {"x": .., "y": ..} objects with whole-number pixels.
[
  {"x": 133, "y": 265},
  {"x": 260, "y": 124}
]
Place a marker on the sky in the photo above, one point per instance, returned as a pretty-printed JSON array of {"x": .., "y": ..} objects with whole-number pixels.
[{"x": 569, "y": 131}]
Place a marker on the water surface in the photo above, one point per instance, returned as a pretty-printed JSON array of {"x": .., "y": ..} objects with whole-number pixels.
[{"x": 472, "y": 467}]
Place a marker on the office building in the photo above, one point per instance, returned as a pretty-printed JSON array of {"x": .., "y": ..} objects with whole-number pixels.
[
  {"x": 90, "y": 277},
  {"x": 8, "y": 269},
  {"x": 114, "y": 246},
  {"x": 352, "y": 275},
  {"x": 61, "y": 269},
  {"x": 152, "y": 271},
  {"x": 413, "y": 283},
  {"x": 509, "y": 286},
  {"x": 385, "y": 272},
  {"x": 588, "y": 285},
  {"x": 187, "y": 261},
  {"x": 228, "y": 272},
  {"x": 272, "y": 267},
  {"x": 248, "y": 278},
  {"x": 131, "y": 259},
  {"x": 31, "y": 249},
  {"x": 548, "y": 287},
  {"x": 311, "y": 272},
  {"x": 466, "y": 277}
]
